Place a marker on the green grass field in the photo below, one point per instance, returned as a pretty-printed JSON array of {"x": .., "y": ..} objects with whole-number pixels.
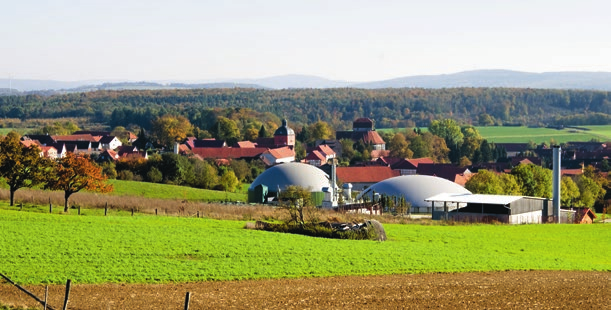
[
  {"x": 5, "y": 131},
  {"x": 50, "y": 248},
  {"x": 165, "y": 191},
  {"x": 540, "y": 135},
  {"x": 508, "y": 134}
]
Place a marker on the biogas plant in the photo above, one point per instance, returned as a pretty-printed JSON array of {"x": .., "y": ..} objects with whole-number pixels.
[{"x": 441, "y": 198}]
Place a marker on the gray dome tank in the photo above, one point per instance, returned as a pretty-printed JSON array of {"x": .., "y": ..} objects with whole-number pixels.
[
  {"x": 415, "y": 189},
  {"x": 284, "y": 175}
]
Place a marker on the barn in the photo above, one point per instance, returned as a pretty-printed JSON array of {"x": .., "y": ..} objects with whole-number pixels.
[{"x": 490, "y": 208}]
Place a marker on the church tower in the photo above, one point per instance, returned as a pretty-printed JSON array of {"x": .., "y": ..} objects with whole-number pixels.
[{"x": 284, "y": 135}]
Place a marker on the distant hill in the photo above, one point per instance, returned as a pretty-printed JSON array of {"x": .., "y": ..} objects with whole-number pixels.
[
  {"x": 296, "y": 81},
  {"x": 477, "y": 78},
  {"x": 500, "y": 78}
]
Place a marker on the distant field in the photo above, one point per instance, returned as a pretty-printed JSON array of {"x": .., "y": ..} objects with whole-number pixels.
[
  {"x": 540, "y": 135},
  {"x": 164, "y": 191},
  {"x": 4, "y": 131},
  {"x": 50, "y": 248},
  {"x": 508, "y": 134}
]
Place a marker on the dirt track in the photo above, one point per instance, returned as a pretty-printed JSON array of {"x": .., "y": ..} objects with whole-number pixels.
[{"x": 489, "y": 290}]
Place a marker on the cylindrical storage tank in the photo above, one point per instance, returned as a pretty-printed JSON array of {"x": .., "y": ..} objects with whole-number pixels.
[{"x": 347, "y": 187}]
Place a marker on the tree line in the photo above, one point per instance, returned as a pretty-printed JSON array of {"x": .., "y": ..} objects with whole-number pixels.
[
  {"x": 402, "y": 107},
  {"x": 584, "y": 190}
]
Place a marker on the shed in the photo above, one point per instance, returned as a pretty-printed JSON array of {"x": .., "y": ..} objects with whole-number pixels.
[
  {"x": 582, "y": 216},
  {"x": 488, "y": 208},
  {"x": 259, "y": 194}
]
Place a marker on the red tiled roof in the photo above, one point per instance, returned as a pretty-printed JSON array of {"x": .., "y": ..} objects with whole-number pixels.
[
  {"x": 246, "y": 144},
  {"x": 282, "y": 152},
  {"x": 379, "y": 153},
  {"x": 369, "y": 174},
  {"x": 112, "y": 154},
  {"x": 316, "y": 155},
  {"x": 82, "y": 137},
  {"x": 325, "y": 149},
  {"x": 461, "y": 179},
  {"x": 28, "y": 143},
  {"x": 571, "y": 171},
  {"x": 417, "y": 161},
  {"x": 373, "y": 137},
  {"x": 445, "y": 171},
  {"x": 410, "y": 163},
  {"x": 228, "y": 152},
  {"x": 363, "y": 120}
]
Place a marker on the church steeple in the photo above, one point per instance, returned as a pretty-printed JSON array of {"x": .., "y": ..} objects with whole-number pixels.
[{"x": 284, "y": 135}]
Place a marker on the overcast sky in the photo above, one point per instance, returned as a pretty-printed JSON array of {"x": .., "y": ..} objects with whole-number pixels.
[{"x": 351, "y": 40}]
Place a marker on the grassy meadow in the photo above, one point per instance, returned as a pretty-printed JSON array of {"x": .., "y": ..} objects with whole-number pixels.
[
  {"x": 165, "y": 191},
  {"x": 50, "y": 248},
  {"x": 540, "y": 135},
  {"x": 509, "y": 134}
]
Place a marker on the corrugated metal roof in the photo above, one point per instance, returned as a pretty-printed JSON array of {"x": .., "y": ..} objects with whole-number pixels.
[{"x": 475, "y": 198}]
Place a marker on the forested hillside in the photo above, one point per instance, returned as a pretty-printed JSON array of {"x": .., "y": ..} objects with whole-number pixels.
[{"x": 338, "y": 107}]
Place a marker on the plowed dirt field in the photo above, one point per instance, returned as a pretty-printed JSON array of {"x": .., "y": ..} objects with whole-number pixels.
[{"x": 487, "y": 290}]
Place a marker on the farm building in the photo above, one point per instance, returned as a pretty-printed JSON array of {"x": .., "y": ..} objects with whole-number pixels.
[
  {"x": 281, "y": 176},
  {"x": 415, "y": 189},
  {"x": 579, "y": 215},
  {"x": 488, "y": 208}
]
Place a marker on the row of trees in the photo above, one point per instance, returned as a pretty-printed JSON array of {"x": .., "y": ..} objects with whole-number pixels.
[
  {"x": 23, "y": 166},
  {"x": 584, "y": 190},
  {"x": 175, "y": 169},
  {"x": 445, "y": 141}
]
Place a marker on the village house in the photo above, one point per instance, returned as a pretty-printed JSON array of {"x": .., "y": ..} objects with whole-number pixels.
[
  {"x": 458, "y": 175},
  {"x": 276, "y": 156},
  {"x": 363, "y": 130},
  {"x": 320, "y": 155}
]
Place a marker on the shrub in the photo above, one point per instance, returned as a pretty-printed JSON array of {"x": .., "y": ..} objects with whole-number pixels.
[
  {"x": 154, "y": 175},
  {"x": 125, "y": 175}
]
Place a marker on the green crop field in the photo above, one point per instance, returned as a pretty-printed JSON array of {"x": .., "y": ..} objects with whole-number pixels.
[
  {"x": 510, "y": 134},
  {"x": 165, "y": 191},
  {"x": 50, "y": 248}
]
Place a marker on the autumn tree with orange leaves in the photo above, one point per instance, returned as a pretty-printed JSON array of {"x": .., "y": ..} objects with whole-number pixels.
[
  {"x": 73, "y": 173},
  {"x": 20, "y": 165}
]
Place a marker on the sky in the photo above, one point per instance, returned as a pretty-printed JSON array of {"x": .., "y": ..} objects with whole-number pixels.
[{"x": 350, "y": 40}]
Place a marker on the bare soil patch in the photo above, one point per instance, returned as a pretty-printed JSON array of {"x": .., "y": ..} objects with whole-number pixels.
[{"x": 485, "y": 290}]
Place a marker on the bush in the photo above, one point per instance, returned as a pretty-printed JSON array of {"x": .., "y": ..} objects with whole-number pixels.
[
  {"x": 125, "y": 175},
  {"x": 154, "y": 175}
]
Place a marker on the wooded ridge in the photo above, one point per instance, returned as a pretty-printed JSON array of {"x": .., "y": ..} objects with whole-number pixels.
[{"x": 392, "y": 107}]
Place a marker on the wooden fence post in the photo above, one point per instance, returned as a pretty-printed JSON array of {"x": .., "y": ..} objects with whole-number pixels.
[
  {"x": 106, "y": 209},
  {"x": 79, "y": 210},
  {"x": 155, "y": 211},
  {"x": 132, "y": 211},
  {"x": 187, "y": 300},
  {"x": 197, "y": 214},
  {"x": 67, "y": 294},
  {"x": 24, "y": 290},
  {"x": 46, "y": 295},
  {"x": 50, "y": 206}
]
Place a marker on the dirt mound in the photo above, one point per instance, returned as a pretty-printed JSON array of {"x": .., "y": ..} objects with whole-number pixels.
[{"x": 498, "y": 290}]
